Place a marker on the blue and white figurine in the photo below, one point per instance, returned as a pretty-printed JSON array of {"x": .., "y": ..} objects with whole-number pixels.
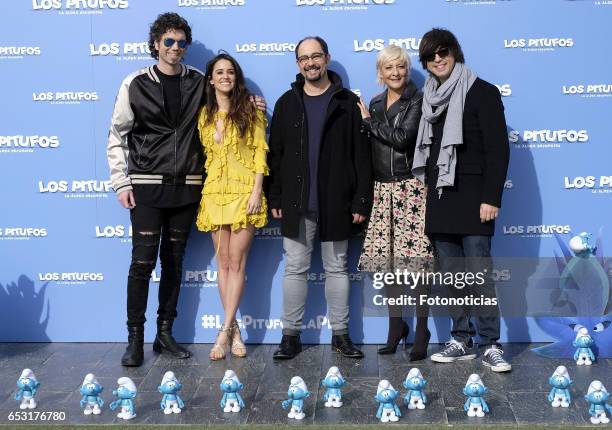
[
  {"x": 415, "y": 398},
  {"x": 583, "y": 343},
  {"x": 126, "y": 393},
  {"x": 560, "y": 395},
  {"x": 27, "y": 386},
  {"x": 171, "y": 402},
  {"x": 580, "y": 245},
  {"x": 386, "y": 395},
  {"x": 297, "y": 393},
  {"x": 91, "y": 402},
  {"x": 333, "y": 382},
  {"x": 598, "y": 396},
  {"x": 474, "y": 389},
  {"x": 230, "y": 385}
]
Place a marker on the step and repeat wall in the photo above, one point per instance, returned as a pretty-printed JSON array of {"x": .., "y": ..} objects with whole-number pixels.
[{"x": 65, "y": 242}]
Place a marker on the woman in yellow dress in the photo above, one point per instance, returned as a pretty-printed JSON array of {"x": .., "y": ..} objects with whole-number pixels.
[{"x": 233, "y": 134}]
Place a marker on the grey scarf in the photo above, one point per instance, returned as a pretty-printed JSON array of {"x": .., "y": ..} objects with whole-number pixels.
[{"x": 450, "y": 95}]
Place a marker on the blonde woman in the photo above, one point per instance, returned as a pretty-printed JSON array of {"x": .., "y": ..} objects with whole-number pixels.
[{"x": 395, "y": 237}]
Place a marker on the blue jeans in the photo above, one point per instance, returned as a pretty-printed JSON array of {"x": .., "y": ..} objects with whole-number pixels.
[{"x": 457, "y": 253}]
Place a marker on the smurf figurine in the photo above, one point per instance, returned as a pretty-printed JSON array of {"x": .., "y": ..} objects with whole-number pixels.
[
  {"x": 386, "y": 395},
  {"x": 474, "y": 389},
  {"x": 230, "y": 385},
  {"x": 333, "y": 382},
  {"x": 27, "y": 385},
  {"x": 126, "y": 393},
  {"x": 583, "y": 342},
  {"x": 598, "y": 396},
  {"x": 580, "y": 245},
  {"x": 171, "y": 401},
  {"x": 297, "y": 393},
  {"x": 415, "y": 398},
  {"x": 91, "y": 402},
  {"x": 560, "y": 395}
]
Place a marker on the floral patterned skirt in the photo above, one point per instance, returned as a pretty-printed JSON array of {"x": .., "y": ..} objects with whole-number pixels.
[{"x": 395, "y": 237}]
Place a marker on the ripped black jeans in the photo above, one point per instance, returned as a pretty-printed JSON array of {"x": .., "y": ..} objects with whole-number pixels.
[{"x": 149, "y": 225}]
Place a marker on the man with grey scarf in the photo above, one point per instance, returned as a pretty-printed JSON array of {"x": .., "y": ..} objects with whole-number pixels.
[{"x": 462, "y": 154}]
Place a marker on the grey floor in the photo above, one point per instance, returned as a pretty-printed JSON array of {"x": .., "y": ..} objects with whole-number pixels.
[{"x": 515, "y": 398}]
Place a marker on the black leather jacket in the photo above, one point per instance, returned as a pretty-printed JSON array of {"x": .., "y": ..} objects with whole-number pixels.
[{"x": 393, "y": 134}]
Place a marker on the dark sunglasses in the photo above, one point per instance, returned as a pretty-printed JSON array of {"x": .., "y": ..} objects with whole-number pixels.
[
  {"x": 442, "y": 53},
  {"x": 168, "y": 42}
]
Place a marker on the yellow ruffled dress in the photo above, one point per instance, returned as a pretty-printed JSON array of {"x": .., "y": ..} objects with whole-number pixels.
[{"x": 231, "y": 165}]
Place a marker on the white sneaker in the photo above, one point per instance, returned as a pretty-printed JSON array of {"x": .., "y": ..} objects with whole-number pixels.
[{"x": 494, "y": 359}]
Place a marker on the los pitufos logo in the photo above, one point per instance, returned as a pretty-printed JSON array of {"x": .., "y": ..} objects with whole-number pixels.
[{"x": 47, "y": 5}]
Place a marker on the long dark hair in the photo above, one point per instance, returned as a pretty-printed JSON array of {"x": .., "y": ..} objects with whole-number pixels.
[{"x": 243, "y": 112}]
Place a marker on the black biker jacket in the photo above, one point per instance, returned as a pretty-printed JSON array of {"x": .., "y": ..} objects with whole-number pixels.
[
  {"x": 393, "y": 134},
  {"x": 144, "y": 146}
]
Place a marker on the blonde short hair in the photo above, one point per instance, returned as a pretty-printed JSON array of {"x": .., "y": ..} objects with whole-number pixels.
[{"x": 390, "y": 53}]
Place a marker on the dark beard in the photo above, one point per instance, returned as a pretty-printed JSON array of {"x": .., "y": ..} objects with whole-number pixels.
[{"x": 318, "y": 78}]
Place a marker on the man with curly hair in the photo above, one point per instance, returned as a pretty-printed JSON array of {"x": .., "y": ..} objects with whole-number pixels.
[{"x": 156, "y": 167}]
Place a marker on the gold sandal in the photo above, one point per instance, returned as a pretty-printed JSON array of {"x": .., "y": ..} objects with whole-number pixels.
[
  {"x": 238, "y": 348},
  {"x": 220, "y": 348}
]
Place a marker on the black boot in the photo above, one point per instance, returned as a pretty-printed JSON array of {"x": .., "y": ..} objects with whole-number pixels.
[
  {"x": 421, "y": 340},
  {"x": 134, "y": 353},
  {"x": 289, "y": 347},
  {"x": 421, "y": 334},
  {"x": 164, "y": 342},
  {"x": 342, "y": 343},
  {"x": 398, "y": 331}
]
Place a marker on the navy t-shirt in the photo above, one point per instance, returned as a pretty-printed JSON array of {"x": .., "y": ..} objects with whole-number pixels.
[{"x": 316, "y": 109}]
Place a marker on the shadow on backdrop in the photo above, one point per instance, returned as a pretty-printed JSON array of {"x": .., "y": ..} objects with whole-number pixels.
[
  {"x": 265, "y": 257},
  {"x": 198, "y": 55},
  {"x": 199, "y": 253},
  {"x": 25, "y": 311},
  {"x": 522, "y": 203}
]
